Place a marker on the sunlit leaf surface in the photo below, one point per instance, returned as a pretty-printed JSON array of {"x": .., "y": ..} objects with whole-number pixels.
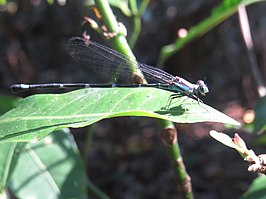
[
  {"x": 50, "y": 168},
  {"x": 38, "y": 115}
]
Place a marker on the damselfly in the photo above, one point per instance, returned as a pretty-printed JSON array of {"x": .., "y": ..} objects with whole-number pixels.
[{"x": 111, "y": 63}]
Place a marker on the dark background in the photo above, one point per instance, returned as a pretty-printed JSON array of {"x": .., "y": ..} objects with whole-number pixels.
[{"x": 127, "y": 158}]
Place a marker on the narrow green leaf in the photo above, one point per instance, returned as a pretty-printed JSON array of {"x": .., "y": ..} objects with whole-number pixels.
[
  {"x": 50, "y": 168},
  {"x": 38, "y": 115},
  {"x": 122, "y": 5},
  {"x": 219, "y": 14}
]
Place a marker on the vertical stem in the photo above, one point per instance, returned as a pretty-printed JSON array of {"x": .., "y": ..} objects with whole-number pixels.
[
  {"x": 119, "y": 41},
  {"x": 137, "y": 13},
  {"x": 121, "y": 45},
  {"x": 244, "y": 24},
  {"x": 169, "y": 136},
  {"x": 136, "y": 23},
  {"x": 143, "y": 6}
]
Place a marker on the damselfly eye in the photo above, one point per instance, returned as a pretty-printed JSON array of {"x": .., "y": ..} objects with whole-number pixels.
[{"x": 203, "y": 88}]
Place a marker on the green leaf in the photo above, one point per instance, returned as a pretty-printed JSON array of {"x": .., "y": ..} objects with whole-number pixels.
[
  {"x": 57, "y": 153},
  {"x": 122, "y": 5},
  {"x": 8, "y": 155},
  {"x": 257, "y": 189},
  {"x": 222, "y": 12},
  {"x": 2, "y": 2},
  {"x": 8, "y": 159},
  {"x": 260, "y": 115},
  {"x": 38, "y": 115},
  {"x": 7, "y": 103},
  {"x": 50, "y": 168}
]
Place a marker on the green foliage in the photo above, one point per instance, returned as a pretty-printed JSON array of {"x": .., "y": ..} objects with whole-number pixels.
[
  {"x": 7, "y": 103},
  {"x": 8, "y": 156},
  {"x": 120, "y": 4},
  {"x": 37, "y": 116},
  {"x": 219, "y": 14},
  {"x": 8, "y": 160},
  {"x": 260, "y": 115},
  {"x": 225, "y": 6},
  {"x": 2, "y": 2},
  {"x": 33, "y": 165},
  {"x": 257, "y": 189},
  {"x": 50, "y": 168}
]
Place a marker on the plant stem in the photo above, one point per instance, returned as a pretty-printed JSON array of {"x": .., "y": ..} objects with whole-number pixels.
[
  {"x": 169, "y": 136},
  {"x": 143, "y": 6},
  {"x": 120, "y": 44},
  {"x": 137, "y": 13},
  {"x": 95, "y": 191},
  {"x": 136, "y": 23},
  {"x": 246, "y": 33},
  {"x": 119, "y": 41}
]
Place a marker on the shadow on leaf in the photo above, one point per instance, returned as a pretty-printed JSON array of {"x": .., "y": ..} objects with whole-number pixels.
[{"x": 173, "y": 111}]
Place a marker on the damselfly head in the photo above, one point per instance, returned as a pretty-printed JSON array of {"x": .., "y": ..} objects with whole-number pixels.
[{"x": 203, "y": 88}]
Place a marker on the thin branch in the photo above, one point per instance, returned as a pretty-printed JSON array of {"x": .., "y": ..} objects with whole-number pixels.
[{"x": 245, "y": 28}]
